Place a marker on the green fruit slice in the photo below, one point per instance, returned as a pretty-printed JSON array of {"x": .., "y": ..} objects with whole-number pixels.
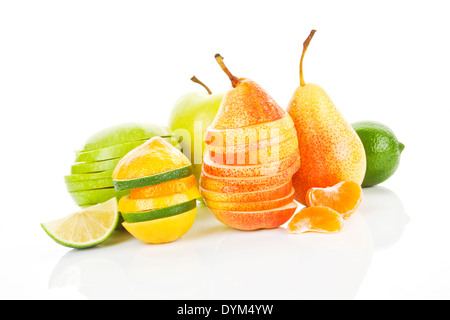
[
  {"x": 89, "y": 184},
  {"x": 134, "y": 217},
  {"x": 91, "y": 167},
  {"x": 113, "y": 152},
  {"x": 89, "y": 176},
  {"x": 86, "y": 228},
  {"x": 175, "y": 174},
  {"x": 124, "y": 133},
  {"x": 95, "y": 196}
]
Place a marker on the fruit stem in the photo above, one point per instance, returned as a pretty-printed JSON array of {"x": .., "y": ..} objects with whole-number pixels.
[
  {"x": 305, "y": 47},
  {"x": 234, "y": 81},
  {"x": 194, "y": 79}
]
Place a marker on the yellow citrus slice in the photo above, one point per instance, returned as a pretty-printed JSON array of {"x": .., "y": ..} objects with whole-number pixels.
[
  {"x": 162, "y": 230},
  {"x": 151, "y": 158}
]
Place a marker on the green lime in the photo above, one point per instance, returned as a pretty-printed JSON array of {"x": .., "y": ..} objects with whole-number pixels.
[
  {"x": 86, "y": 228},
  {"x": 383, "y": 151}
]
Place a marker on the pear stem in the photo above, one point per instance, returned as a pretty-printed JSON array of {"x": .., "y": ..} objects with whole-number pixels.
[
  {"x": 194, "y": 79},
  {"x": 234, "y": 81},
  {"x": 305, "y": 47}
]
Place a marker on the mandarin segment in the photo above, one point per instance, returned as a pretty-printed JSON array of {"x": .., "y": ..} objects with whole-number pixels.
[
  {"x": 316, "y": 219},
  {"x": 345, "y": 197}
]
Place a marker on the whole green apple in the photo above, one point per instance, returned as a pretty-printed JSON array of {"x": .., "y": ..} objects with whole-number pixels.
[{"x": 190, "y": 117}]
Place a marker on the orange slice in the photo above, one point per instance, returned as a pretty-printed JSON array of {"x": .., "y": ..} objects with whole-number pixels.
[
  {"x": 345, "y": 197},
  {"x": 316, "y": 219},
  {"x": 166, "y": 188}
]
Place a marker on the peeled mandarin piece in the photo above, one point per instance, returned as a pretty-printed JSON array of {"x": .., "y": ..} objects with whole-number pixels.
[
  {"x": 345, "y": 197},
  {"x": 162, "y": 230},
  {"x": 151, "y": 158},
  {"x": 254, "y": 196},
  {"x": 316, "y": 219},
  {"x": 166, "y": 188},
  {"x": 253, "y": 220}
]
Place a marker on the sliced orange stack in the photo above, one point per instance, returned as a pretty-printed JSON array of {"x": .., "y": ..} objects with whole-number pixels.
[{"x": 250, "y": 158}]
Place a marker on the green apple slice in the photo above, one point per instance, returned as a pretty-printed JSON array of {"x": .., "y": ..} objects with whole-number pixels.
[
  {"x": 91, "y": 167},
  {"x": 124, "y": 133},
  {"x": 113, "y": 152},
  {"x": 89, "y": 184},
  {"x": 133, "y": 217},
  {"x": 86, "y": 228},
  {"x": 88, "y": 176},
  {"x": 152, "y": 180},
  {"x": 95, "y": 196}
]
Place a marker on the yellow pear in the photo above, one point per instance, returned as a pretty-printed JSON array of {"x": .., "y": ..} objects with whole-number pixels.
[{"x": 330, "y": 149}]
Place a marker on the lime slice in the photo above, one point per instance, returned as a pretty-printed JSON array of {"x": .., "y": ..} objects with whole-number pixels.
[
  {"x": 95, "y": 196},
  {"x": 89, "y": 184},
  {"x": 133, "y": 217},
  {"x": 89, "y": 176},
  {"x": 152, "y": 180},
  {"x": 91, "y": 167},
  {"x": 85, "y": 228}
]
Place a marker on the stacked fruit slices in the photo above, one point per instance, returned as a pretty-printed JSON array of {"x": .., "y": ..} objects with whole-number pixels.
[
  {"x": 161, "y": 205},
  {"x": 246, "y": 176},
  {"x": 91, "y": 181}
]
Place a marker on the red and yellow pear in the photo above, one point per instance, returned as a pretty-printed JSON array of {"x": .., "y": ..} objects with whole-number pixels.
[
  {"x": 251, "y": 156},
  {"x": 330, "y": 149}
]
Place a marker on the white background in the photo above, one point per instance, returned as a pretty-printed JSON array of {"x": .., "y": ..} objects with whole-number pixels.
[{"x": 71, "y": 68}]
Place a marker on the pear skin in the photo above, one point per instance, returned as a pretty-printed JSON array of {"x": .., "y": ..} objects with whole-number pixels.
[
  {"x": 330, "y": 149},
  {"x": 251, "y": 155}
]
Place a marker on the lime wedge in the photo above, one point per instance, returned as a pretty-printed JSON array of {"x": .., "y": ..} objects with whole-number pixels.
[{"x": 86, "y": 228}]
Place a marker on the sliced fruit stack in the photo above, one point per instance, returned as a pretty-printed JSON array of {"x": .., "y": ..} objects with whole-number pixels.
[
  {"x": 91, "y": 180},
  {"x": 251, "y": 156},
  {"x": 161, "y": 206}
]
